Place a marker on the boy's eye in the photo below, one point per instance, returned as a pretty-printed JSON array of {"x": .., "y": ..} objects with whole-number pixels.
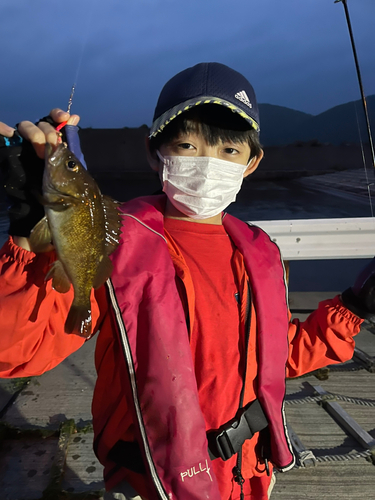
[
  {"x": 231, "y": 151},
  {"x": 185, "y": 145}
]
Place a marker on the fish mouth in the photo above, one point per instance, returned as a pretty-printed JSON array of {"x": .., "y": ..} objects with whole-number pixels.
[{"x": 52, "y": 152}]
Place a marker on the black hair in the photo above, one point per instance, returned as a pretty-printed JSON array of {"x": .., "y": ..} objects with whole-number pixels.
[{"x": 215, "y": 123}]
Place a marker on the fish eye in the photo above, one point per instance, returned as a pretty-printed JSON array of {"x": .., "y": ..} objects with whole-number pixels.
[{"x": 72, "y": 165}]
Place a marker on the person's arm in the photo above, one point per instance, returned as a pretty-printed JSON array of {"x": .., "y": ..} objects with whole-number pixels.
[
  {"x": 22, "y": 242},
  {"x": 32, "y": 314},
  {"x": 325, "y": 337}
]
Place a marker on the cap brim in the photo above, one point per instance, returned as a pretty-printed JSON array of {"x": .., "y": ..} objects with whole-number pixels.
[{"x": 163, "y": 120}]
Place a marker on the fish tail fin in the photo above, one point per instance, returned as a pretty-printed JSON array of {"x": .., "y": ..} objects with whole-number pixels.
[{"x": 79, "y": 320}]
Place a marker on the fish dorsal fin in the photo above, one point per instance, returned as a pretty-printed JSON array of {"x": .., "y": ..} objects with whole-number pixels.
[
  {"x": 40, "y": 236},
  {"x": 103, "y": 271},
  {"x": 60, "y": 280},
  {"x": 112, "y": 223}
]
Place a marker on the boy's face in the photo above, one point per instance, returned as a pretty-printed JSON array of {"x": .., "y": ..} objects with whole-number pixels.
[
  {"x": 206, "y": 131},
  {"x": 193, "y": 144},
  {"x": 192, "y": 141}
]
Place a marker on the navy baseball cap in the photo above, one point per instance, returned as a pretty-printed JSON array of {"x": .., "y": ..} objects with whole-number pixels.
[{"x": 205, "y": 83}]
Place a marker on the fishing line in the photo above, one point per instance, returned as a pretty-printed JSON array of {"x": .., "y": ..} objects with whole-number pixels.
[
  {"x": 368, "y": 183},
  {"x": 359, "y": 77},
  {"x": 364, "y": 103},
  {"x": 82, "y": 52}
]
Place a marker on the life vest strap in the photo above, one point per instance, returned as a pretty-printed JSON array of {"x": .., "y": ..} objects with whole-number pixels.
[{"x": 228, "y": 439}]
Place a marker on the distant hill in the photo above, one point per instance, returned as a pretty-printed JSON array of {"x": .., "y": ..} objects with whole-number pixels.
[
  {"x": 278, "y": 122},
  {"x": 339, "y": 125}
]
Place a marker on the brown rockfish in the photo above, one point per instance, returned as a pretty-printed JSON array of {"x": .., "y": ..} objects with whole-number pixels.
[{"x": 84, "y": 228}]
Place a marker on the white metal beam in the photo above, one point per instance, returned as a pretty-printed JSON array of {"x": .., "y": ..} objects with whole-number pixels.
[{"x": 313, "y": 239}]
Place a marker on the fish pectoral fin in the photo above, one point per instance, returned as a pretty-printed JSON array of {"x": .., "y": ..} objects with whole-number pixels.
[
  {"x": 112, "y": 223},
  {"x": 103, "y": 272},
  {"x": 60, "y": 280},
  {"x": 40, "y": 237}
]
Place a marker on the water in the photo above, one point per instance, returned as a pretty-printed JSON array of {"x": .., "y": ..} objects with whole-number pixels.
[
  {"x": 278, "y": 200},
  {"x": 270, "y": 200}
]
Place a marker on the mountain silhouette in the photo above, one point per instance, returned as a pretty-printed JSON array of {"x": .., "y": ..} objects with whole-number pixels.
[{"x": 339, "y": 125}]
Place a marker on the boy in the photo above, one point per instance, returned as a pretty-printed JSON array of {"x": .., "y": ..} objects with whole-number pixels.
[{"x": 194, "y": 323}]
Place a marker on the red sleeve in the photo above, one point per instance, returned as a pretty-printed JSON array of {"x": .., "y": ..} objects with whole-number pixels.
[
  {"x": 32, "y": 315},
  {"x": 325, "y": 337}
]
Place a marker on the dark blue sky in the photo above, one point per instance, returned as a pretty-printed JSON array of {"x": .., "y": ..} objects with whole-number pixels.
[{"x": 296, "y": 53}]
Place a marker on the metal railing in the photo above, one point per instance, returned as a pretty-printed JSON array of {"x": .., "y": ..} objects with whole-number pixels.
[{"x": 312, "y": 239}]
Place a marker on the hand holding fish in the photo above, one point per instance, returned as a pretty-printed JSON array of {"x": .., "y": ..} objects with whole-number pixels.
[
  {"x": 43, "y": 132},
  {"x": 84, "y": 227},
  {"x": 22, "y": 170},
  {"x": 81, "y": 223}
]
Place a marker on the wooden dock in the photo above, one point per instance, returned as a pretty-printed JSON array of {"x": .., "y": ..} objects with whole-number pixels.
[
  {"x": 46, "y": 434},
  {"x": 336, "y": 475}
]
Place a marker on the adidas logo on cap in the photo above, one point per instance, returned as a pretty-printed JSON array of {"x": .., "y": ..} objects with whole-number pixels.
[{"x": 242, "y": 96}]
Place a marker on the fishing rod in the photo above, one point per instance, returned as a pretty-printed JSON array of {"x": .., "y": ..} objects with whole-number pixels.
[{"x": 344, "y": 2}]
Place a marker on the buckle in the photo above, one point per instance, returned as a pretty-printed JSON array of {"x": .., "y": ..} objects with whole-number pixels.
[
  {"x": 224, "y": 446},
  {"x": 228, "y": 439},
  {"x": 232, "y": 437}
]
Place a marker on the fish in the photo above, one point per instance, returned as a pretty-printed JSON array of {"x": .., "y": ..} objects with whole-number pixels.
[{"x": 84, "y": 228}]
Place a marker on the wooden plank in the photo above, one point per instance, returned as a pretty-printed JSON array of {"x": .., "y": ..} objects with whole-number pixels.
[
  {"x": 363, "y": 358},
  {"x": 351, "y": 480},
  {"x": 346, "y": 480},
  {"x": 347, "y": 421}
]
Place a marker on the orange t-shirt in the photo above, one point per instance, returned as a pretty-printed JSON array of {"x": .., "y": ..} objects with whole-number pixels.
[{"x": 217, "y": 331}]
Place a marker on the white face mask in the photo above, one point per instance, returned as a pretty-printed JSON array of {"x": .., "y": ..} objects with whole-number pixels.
[{"x": 200, "y": 187}]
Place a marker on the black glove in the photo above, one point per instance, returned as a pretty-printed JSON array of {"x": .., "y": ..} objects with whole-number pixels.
[
  {"x": 360, "y": 298},
  {"x": 22, "y": 172}
]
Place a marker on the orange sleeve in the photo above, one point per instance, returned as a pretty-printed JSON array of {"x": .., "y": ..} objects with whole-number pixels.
[
  {"x": 325, "y": 337},
  {"x": 32, "y": 315}
]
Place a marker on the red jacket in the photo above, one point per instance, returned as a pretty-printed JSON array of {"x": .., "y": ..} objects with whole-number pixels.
[{"x": 33, "y": 340}]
